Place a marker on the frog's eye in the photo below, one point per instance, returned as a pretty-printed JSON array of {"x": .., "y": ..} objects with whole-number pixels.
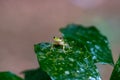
[
  {"x": 60, "y": 37},
  {"x": 54, "y": 37}
]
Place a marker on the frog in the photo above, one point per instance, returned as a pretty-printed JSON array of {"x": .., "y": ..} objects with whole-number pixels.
[{"x": 59, "y": 41}]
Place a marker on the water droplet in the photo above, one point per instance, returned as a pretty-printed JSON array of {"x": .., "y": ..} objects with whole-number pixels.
[
  {"x": 82, "y": 70},
  {"x": 97, "y": 47},
  {"x": 71, "y": 59},
  {"x": 92, "y": 50},
  {"x": 78, "y": 51},
  {"x": 78, "y": 71},
  {"x": 106, "y": 41},
  {"x": 88, "y": 42},
  {"x": 91, "y": 78},
  {"x": 67, "y": 72},
  {"x": 94, "y": 57}
]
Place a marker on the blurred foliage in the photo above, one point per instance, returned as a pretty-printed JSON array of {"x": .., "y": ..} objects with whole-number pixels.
[
  {"x": 9, "y": 76},
  {"x": 36, "y": 74},
  {"x": 116, "y": 71}
]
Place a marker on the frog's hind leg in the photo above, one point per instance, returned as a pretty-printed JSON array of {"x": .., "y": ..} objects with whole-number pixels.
[{"x": 52, "y": 46}]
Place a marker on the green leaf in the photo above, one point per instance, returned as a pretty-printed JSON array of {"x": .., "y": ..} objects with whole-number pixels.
[
  {"x": 36, "y": 74},
  {"x": 116, "y": 71},
  {"x": 75, "y": 63},
  {"x": 9, "y": 76},
  {"x": 96, "y": 43}
]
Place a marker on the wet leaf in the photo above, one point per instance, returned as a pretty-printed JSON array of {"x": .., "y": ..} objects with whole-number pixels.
[
  {"x": 9, "y": 76},
  {"x": 74, "y": 63},
  {"x": 116, "y": 71},
  {"x": 96, "y": 43},
  {"x": 82, "y": 49}
]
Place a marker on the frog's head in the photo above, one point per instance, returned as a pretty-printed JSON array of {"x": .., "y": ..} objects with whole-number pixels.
[{"x": 57, "y": 38}]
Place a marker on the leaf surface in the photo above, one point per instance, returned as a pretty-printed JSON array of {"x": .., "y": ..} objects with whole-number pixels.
[
  {"x": 83, "y": 48},
  {"x": 9, "y": 76},
  {"x": 92, "y": 39},
  {"x": 73, "y": 64},
  {"x": 116, "y": 71}
]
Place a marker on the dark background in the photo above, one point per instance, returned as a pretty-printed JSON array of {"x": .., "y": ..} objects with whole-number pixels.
[{"x": 26, "y": 22}]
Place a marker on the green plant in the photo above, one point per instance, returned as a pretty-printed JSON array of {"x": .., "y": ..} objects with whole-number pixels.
[{"x": 77, "y": 61}]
